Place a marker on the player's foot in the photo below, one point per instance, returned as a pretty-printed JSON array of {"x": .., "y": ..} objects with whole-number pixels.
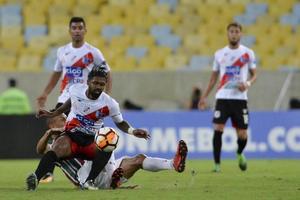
[
  {"x": 180, "y": 156},
  {"x": 217, "y": 168},
  {"x": 31, "y": 182},
  {"x": 47, "y": 178},
  {"x": 89, "y": 185},
  {"x": 116, "y": 178},
  {"x": 242, "y": 162}
]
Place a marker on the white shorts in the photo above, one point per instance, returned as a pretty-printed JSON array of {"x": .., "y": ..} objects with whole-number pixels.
[{"x": 103, "y": 180}]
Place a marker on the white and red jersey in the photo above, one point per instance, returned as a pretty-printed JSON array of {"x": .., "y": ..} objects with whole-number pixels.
[
  {"x": 75, "y": 64},
  {"x": 233, "y": 66},
  {"x": 87, "y": 115}
]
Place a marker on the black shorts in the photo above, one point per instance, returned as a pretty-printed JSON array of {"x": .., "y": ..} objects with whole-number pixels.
[
  {"x": 80, "y": 138},
  {"x": 236, "y": 110}
]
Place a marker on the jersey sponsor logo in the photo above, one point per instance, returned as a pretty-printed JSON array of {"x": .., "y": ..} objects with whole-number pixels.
[
  {"x": 232, "y": 70},
  {"x": 84, "y": 121},
  {"x": 73, "y": 72}
]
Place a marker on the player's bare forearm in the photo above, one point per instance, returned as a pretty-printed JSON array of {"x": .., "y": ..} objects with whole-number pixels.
[
  {"x": 63, "y": 108},
  {"x": 211, "y": 84},
  {"x": 253, "y": 76},
  {"x": 109, "y": 84},
  {"x": 43, "y": 143},
  {"x": 123, "y": 126},
  {"x": 52, "y": 82}
]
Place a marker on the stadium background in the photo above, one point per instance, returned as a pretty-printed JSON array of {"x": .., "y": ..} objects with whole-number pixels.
[{"x": 158, "y": 51}]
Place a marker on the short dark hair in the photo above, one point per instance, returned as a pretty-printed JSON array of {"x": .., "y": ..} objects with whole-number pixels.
[
  {"x": 99, "y": 71},
  {"x": 12, "y": 82},
  {"x": 234, "y": 24},
  {"x": 76, "y": 20}
]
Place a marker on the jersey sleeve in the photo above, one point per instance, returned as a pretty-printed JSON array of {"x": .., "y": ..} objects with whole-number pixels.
[
  {"x": 58, "y": 66},
  {"x": 216, "y": 65},
  {"x": 252, "y": 60},
  {"x": 115, "y": 112},
  {"x": 99, "y": 59}
]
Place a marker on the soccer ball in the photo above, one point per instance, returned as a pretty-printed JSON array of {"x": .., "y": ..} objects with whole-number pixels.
[{"x": 107, "y": 139}]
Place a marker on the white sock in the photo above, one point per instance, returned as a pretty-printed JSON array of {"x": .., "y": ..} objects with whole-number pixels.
[{"x": 157, "y": 164}]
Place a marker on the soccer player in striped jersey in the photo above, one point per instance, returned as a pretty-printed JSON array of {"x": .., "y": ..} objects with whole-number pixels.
[
  {"x": 232, "y": 64},
  {"x": 89, "y": 106},
  {"x": 116, "y": 171}
]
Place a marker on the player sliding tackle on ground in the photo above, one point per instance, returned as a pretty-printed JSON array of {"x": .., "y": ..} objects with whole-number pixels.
[
  {"x": 89, "y": 105},
  {"x": 115, "y": 172}
]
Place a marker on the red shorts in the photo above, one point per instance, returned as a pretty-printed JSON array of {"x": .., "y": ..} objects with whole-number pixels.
[{"x": 82, "y": 145}]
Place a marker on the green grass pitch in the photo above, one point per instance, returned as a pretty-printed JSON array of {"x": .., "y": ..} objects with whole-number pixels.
[{"x": 265, "y": 179}]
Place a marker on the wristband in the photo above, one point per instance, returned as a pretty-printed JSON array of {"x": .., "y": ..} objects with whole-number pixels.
[
  {"x": 130, "y": 130},
  {"x": 248, "y": 83}
]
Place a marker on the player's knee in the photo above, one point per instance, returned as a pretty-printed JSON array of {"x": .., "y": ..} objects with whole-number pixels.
[
  {"x": 62, "y": 147},
  {"x": 138, "y": 160}
]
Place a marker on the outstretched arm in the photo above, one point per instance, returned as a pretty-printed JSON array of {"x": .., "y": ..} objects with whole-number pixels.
[
  {"x": 125, "y": 127},
  {"x": 63, "y": 108}
]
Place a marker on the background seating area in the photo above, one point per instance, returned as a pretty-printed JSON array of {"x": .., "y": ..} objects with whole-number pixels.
[{"x": 149, "y": 35}]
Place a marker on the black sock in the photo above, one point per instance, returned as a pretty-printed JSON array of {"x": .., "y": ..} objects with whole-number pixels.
[
  {"x": 241, "y": 145},
  {"x": 99, "y": 163},
  {"x": 47, "y": 164},
  {"x": 217, "y": 145}
]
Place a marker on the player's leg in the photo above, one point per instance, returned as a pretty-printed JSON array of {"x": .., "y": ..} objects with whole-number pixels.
[
  {"x": 61, "y": 148},
  {"x": 240, "y": 119},
  {"x": 100, "y": 160},
  {"x": 221, "y": 115}
]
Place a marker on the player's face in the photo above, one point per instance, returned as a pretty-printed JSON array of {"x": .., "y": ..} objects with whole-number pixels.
[
  {"x": 96, "y": 86},
  {"x": 77, "y": 31},
  {"x": 234, "y": 35}
]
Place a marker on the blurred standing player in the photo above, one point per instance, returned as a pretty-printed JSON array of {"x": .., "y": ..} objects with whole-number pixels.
[
  {"x": 232, "y": 63},
  {"x": 89, "y": 106},
  {"x": 74, "y": 61}
]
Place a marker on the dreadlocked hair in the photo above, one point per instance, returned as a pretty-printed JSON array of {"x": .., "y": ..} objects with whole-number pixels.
[{"x": 99, "y": 71}]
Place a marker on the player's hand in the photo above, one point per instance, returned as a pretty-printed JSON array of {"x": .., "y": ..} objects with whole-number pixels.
[
  {"x": 41, "y": 100},
  {"x": 44, "y": 113},
  {"x": 243, "y": 86},
  {"x": 202, "y": 103},
  {"x": 140, "y": 133}
]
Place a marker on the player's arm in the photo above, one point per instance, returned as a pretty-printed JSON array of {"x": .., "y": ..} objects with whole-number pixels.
[
  {"x": 210, "y": 86},
  {"x": 41, "y": 100},
  {"x": 108, "y": 87},
  {"x": 42, "y": 145},
  {"x": 63, "y": 108},
  {"x": 125, "y": 127}
]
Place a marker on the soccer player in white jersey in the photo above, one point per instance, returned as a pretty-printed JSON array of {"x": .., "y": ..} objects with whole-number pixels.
[
  {"x": 74, "y": 61},
  {"x": 232, "y": 64},
  {"x": 89, "y": 106},
  {"x": 116, "y": 172}
]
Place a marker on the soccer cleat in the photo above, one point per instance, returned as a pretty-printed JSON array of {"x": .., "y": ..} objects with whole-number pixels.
[
  {"x": 47, "y": 178},
  {"x": 180, "y": 156},
  {"x": 116, "y": 178},
  {"x": 217, "y": 168},
  {"x": 89, "y": 185},
  {"x": 242, "y": 162},
  {"x": 31, "y": 182}
]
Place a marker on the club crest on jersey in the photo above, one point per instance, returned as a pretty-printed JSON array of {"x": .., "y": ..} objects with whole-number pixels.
[
  {"x": 73, "y": 72},
  {"x": 244, "y": 59},
  {"x": 86, "y": 60},
  {"x": 103, "y": 112}
]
